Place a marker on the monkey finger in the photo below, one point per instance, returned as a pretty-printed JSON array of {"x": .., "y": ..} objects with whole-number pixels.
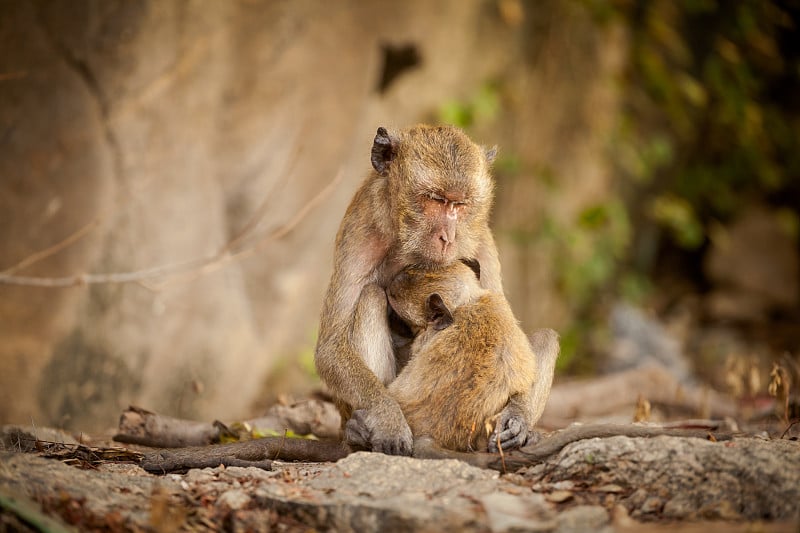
[
  {"x": 508, "y": 441},
  {"x": 511, "y": 434},
  {"x": 392, "y": 446},
  {"x": 356, "y": 431},
  {"x": 406, "y": 447},
  {"x": 533, "y": 438}
]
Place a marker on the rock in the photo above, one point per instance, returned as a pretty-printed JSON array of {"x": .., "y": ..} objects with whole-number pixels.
[
  {"x": 754, "y": 267},
  {"x": 175, "y": 126},
  {"x": 639, "y": 340},
  {"x": 23, "y": 438},
  {"x": 506, "y": 512},
  {"x": 651, "y": 505},
  {"x": 363, "y": 492},
  {"x": 584, "y": 518},
  {"x": 234, "y": 499},
  {"x": 376, "y": 492},
  {"x": 661, "y": 478},
  {"x": 686, "y": 478}
]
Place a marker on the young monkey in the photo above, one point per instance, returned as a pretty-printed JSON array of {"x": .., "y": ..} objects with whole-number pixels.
[{"x": 470, "y": 361}]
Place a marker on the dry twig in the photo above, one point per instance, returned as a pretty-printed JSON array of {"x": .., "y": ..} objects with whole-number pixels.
[{"x": 184, "y": 271}]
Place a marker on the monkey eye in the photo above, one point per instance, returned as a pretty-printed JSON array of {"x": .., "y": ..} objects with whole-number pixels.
[
  {"x": 443, "y": 200},
  {"x": 435, "y": 197}
]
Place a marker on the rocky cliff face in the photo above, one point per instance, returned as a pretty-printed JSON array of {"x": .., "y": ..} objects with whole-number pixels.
[{"x": 155, "y": 133}]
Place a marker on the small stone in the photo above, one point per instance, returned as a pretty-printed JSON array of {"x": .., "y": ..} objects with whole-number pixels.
[
  {"x": 507, "y": 512},
  {"x": 621, "y": 518},
  {"x": 234, "y": 499},
  {"x": 723, "y": 510},
  {"x": 564, "y": 485},
  {"x": 652, "y": 505},
  {"x": 753, "y": 266},
  {"x": 583, "y": 518},
  {"x": 610, "y": 488},
  {"x": 206, "y": 475},
  {"x": 559, "y": 496}
]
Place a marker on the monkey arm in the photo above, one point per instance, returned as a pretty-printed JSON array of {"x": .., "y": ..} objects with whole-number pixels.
[
  {"x": 356, "y": 360},
  {"x": 489, "y": 261},
  {"x": 351, "y": 316},
  {"x": 343, "y": 368},
  {"x": 515, "y": 424},
  {"x": 370, "y": 335}
]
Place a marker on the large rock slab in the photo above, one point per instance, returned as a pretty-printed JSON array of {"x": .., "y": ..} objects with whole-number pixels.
[
  {"x": 579, "y": 489},
  {"x": 151, "y": 134},
  {"x": 679, "y": 478}
]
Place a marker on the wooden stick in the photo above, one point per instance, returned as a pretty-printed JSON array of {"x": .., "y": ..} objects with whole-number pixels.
[{"x": 258, "y": 453}]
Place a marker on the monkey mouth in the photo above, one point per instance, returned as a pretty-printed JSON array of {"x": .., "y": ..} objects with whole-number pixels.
[
  {"x": 442, "y": 254},
  {"x": 433, "y": 256}
]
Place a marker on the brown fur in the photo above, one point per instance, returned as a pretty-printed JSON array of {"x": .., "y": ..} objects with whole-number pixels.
[
  {"x": 427, "y": 202},
  {"x": 459, "y": 377}
]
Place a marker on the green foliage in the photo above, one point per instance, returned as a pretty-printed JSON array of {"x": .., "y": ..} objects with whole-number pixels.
[
  {"x": 712, "y": 120},
  {"x": 570, "y": 342},
  {"x": 588, "y": 249},
  {"x": 241, "y": 431},
  {"x": 789, "y": 221},
  {"x": 483, "y": 106},
  {"x": 642, "y": 158},
  {"x": 634, "y": 287},
  {"x": 260, "y": 433},
  {"x": 508, "y": 164},
  {"x": 679, "y": 217},
  {"x": 710, "y": 124},
  {"x": 306, "y": 360}
]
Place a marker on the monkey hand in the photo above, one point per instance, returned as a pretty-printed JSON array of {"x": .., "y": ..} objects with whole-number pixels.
[
  {"x": 381, "y": 428},
  {"x": 511, "y": 430}
]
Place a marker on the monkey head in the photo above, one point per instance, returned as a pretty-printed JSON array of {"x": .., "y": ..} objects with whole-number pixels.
[
  {"x": 423, "y": 297},
  {"x": 439, "y": 191}
]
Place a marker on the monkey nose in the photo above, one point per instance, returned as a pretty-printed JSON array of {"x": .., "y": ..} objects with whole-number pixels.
[{"x": 444, "y": 238}]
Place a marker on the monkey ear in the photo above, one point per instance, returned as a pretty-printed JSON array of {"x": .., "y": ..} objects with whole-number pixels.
[
  {"x": 384, "y": 149},
  {"x": 438, "y": 315},
  {"x": 474, "y": 265},
  {"x": 491, "y": 154}
]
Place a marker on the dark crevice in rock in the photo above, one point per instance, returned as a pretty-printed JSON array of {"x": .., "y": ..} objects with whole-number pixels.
[{"x": 82, "y": 69}]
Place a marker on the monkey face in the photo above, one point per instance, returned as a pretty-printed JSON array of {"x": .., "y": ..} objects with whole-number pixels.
[
  {"x": 441, "y": 212},
  {"x": 440, "y": 191},
  {"x": 410, "y": 291}
]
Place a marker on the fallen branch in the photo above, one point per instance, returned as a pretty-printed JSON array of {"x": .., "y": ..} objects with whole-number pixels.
[
  {"x": 145, "y": 428},
  {"x": 258, "y": 453},
  {"x": 553, "y": 443},
  {"x": 556, "y": 441},
  {"x": 193, "y": 267},
  {"x": 261, "y": 452},
  {"x": 138, "y": 426},
  {"x": 616, "y": 393}
]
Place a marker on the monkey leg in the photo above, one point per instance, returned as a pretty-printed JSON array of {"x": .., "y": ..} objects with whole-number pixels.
[
  {"x": 381, "y": 427},
  {"x": 515, "y": 425},
  {"x": 546, "y": 347}
]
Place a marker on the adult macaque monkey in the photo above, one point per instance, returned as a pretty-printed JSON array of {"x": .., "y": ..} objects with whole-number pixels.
[{"x": 426, "y": 203}]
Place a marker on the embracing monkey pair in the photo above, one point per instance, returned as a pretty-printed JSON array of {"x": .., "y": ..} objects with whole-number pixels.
[{"x": 417, "y": 230}]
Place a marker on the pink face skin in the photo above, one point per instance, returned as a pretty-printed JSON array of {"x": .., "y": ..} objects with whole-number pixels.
[{"x": 443, "y": 211}]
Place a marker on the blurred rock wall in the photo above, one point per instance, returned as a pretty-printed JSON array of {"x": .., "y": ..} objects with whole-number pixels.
[{"x": 153, "y": 132}]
